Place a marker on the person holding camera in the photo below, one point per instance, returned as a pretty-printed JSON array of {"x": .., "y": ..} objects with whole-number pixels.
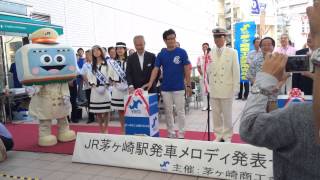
[
  {"x": 304, "y": 80},
  {"x": 293, "y": 132}
]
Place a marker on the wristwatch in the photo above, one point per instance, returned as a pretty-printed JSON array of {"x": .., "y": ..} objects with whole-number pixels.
[
  {"x": 257, "y": 90},
  {"x": 315, "y": 58}
]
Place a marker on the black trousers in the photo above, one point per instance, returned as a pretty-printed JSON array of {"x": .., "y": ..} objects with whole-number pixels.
[
  {"x": 91, "y": 115},
  {"x": 246, "y": 90},
  {"x": 73, "y": 101}
]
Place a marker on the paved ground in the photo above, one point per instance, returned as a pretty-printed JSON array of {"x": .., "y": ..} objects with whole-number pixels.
[{"x": 59, "y": 167}]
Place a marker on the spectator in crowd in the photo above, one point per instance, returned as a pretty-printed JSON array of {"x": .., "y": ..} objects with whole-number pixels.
[
  {"x": 224, "y": 76},
  {"x": 6, "y": 142},
  {"x": 177, "y": 44},
  {"x": 267, "y": 46},
  {"x": 87, "y": 68},
  {"x": 289, "y": 132},
  {"x": 252, "y": 55},
  {"x": 293, "y": 132},
  {"x": 304, "y": 80},
  {"x": 100, "y": 95},
  {"x": 175, "y": 65},
  {"x": 80, "y": 93},
  {"x": 105, "y": 54},
  {"x": 112, "y": 52},
  {"x": 256, "y": 52},
  {"x": 200, "y": 66},
  {"x": 120, "y": 86},
  {"x": 13, "y": 70},
  {"x": 285, "y": 47},
  {"x": 131, "y": 51},
  {"x": 139, "y": 66},
  {"x": 288, "y": 50}
]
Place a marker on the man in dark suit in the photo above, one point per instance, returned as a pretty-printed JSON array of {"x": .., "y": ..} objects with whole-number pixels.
[
  {"x": 139, "y": 66},
  {"x": 304, "y": 80}
]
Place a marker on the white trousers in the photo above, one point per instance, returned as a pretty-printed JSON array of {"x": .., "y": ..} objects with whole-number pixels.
[
  {"x": 203, "y": 93},
  {"x": 176, "y": 98},
  {"x": 222, "y": 117}
]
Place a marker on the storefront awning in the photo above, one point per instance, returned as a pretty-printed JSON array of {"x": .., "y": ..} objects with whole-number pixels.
[{"x": 17, "y": 24}]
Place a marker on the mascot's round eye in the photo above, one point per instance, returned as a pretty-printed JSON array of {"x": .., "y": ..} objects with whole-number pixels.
[
  {"x": 45, "y": 59},
  {"x": 60, "y": 59}
]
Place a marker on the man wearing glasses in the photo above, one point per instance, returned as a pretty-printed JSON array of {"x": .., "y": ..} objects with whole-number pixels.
[{"x": 224, "y": 77}]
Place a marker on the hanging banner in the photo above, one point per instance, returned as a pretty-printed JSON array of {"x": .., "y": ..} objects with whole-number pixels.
[
  {"x": 180, "y": 156},
  {"x": 244, "y": 36}
]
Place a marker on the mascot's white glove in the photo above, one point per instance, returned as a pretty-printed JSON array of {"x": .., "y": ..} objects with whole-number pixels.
[
  {"x": 66, "y": 99},
  {"x": 101, "y": 90},
  {"x": 32, "y": 90}
]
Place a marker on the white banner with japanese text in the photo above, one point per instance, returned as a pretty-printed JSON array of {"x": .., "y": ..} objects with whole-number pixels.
[{"x": 181, "y": 156}]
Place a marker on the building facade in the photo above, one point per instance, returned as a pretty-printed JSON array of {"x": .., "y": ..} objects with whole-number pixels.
[
  {"x": 273, "y": 18},
  {"x": 262, "y": 12},
  {"x": 293, "y": 20},
  {"x": 104, "y": 22}
]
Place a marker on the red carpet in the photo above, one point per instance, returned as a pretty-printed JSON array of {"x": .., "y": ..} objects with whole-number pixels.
[{"x": 25, "y": 137}]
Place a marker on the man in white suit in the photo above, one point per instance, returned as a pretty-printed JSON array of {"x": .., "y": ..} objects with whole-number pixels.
[{"x": 224, "y": 77}]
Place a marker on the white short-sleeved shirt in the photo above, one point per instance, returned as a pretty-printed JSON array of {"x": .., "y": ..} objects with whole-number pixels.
[{"x": 86, "y": 68}]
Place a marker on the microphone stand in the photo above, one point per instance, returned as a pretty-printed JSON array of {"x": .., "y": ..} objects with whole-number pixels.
[
  {"x": 208, "y": 110},
  {"x": 208, "y": 95}
]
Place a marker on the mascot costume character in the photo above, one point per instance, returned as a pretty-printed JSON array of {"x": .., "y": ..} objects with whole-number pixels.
[{"x": 45, "y": 67}]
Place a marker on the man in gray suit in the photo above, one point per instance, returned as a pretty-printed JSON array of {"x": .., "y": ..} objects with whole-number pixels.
[{"x": 293, "y": 132}]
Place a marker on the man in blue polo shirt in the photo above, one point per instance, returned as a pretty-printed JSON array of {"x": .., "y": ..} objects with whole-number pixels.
[{"x": 176, "y": 72}]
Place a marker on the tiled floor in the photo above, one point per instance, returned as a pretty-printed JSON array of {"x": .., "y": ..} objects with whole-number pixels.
[{"x": 59, "y": 167}]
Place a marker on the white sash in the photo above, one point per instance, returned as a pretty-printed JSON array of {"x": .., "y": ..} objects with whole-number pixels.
[
  {"x": 102, "y": 78},
  {"x": 115, "y": 66}
]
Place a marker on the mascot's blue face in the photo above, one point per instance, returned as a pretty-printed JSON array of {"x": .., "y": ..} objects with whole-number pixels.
[{"x": 51, "y": 61}]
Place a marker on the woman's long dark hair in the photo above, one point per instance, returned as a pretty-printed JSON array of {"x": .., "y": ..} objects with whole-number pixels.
[
  {"x": 95, "y": 60},
  {"x": 125, "y": 53}
]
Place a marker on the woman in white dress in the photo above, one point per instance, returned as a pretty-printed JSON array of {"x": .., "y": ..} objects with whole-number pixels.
[
  {"x": 100, "y": 96},
  {"x": 120, "y": 87}
]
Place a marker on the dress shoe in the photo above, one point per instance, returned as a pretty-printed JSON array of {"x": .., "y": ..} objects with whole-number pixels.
[{"x": 90, "y": 121}]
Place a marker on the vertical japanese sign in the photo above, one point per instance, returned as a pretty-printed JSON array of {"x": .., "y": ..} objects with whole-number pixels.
[
  {"x": 188, "y": 157},
  {"x": 244, "y": 36}
]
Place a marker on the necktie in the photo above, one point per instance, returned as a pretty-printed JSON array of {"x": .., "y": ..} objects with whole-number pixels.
[{"x": 219, "y": 51}]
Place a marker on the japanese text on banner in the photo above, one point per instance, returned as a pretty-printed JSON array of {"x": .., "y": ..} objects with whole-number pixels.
[{"x": 197, "y": 158}]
